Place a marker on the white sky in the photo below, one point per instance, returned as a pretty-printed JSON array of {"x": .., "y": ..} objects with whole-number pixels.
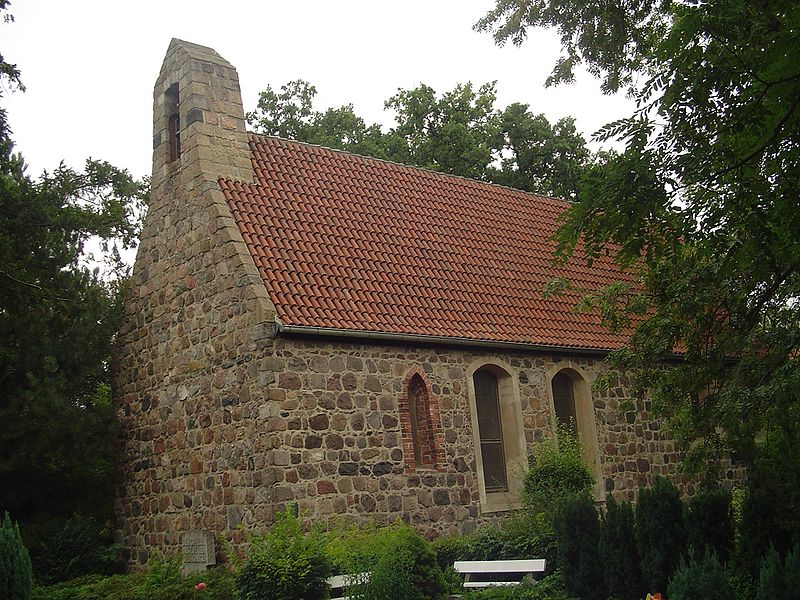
[{"x": 89, "y": 66}]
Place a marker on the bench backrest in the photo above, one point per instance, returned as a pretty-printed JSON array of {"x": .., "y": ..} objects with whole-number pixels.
[
  {"x": 338, "y": 583},
  {"x": 500, "y": 566}
]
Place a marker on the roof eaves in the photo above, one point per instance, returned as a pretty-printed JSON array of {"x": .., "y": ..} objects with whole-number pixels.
[{"x": 435, "y": 340}]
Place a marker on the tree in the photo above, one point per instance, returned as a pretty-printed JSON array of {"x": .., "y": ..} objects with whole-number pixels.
[
  {"x": 660, "y": 533},
  {"x": 702, "y": 205},
  {"x": 577, "y": 533},
  {"x": 460, "y": 132},
  {"x": 58, "y": 317},
  {"x": 618, "y": 553}
]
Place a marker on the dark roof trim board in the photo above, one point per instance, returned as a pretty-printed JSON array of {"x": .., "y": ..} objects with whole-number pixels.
[{"x": 430, "y": 340}]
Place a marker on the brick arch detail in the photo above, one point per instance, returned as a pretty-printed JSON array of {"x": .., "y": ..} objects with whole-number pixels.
[{"x": 429, "y": 425}]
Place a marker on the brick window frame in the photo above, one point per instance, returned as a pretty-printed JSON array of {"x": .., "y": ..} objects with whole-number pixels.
[{"x": 430, "y": 454}]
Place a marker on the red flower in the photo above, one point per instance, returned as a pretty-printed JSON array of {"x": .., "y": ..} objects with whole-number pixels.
[{"x": 200, "y": 586}]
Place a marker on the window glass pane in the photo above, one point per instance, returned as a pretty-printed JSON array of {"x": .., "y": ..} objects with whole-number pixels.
[
  {"x": 413, "y": 391},
  {"x": 564, "y": 400},
  {"x": 488, "y": 406},
  {"x": 494, "y": 466},
  {"x": 490, "y": 432}
]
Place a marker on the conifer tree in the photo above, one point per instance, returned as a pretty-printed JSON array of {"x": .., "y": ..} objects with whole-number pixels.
[
  {"x": 660, "y": 533},
  {"x": 618, "y": 552},
  {"x": 16, "y": 579}
]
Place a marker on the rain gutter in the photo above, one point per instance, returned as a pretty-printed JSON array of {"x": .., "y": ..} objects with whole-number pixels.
[{"x": 409, "y": 338}]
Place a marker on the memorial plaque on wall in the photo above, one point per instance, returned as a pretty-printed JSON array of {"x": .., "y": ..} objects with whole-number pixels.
[{"x": 197, "y": 548}]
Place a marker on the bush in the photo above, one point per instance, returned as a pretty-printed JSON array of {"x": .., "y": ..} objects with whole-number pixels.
[
  {"x": 577, "y": 533},
  {"x": 709, "y": 524},
  {"x": 285, "y": 564},
  {"x": 16, "y": 579},
  {"x": 556, "y": 473},
  {"x": 704, "y": 579},
  {"x": 779, "y": 579},
  {"x": 660, "y": 533},
  {"x": 401, "y": 564},
  {"x": 771, "y": 506},
  {"x": 549, "y": 588},
  {"x": 519, "y": 538},
  {"x": 618, "y": 553},
  {"x": 78, "y": 546},
  {"x": 219, "y": 585},
  {"x": 771, "y": 582}
]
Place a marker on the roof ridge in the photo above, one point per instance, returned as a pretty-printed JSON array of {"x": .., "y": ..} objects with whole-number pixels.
[{"x": 415, "y": 167}]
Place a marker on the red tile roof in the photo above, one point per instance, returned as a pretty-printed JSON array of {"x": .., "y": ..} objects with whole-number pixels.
[{"x": 354, "y": 243}]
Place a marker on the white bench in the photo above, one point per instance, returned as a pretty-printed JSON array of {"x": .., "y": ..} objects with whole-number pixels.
[
  {"x": 338, "y": 583},
  {"x": 470, "y": 568}
]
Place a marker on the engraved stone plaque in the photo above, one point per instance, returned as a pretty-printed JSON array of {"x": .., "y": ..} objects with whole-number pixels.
[{"x": 198, "y": 551}]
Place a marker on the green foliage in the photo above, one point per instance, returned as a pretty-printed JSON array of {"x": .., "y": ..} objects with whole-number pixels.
[
  {"x": 460, "y": 132},
  {"x": 703, "y": 579},
  {"x": 660, "y": 533},
  {"x": 771, "y": 583},
  {"x": 709, "y": 524},
  {"x": 577, "y": 533},
  {"x": 164, "y": 569},
  {"x": 700, "y": 207},
  {"x": 401, "y": 564},
  {"x": 522, "y": 537},
  {"x": 779, "y": 579},
  {"x": 219, "y": 585},
  {"x": 15, "y": 564},
  {"x": 556, "y": 473},
  {"x": 618, "y": 553},
  {"x": 549, "y": 588},
  {"x": 74, "y": 547},
  {"x": 769, "y": 516},
  {"x": 285, "y": 563},
  {"x": 58, "y": 318}
]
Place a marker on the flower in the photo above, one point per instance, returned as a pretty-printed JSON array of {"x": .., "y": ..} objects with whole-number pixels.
[{"x": 202, "y": 586}]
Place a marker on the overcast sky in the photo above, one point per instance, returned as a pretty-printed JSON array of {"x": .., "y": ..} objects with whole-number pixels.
[{"x": 89, "y": 66}]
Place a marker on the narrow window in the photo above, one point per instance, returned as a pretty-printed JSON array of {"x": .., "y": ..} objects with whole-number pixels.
[
  {"x": 174, "y": 137},
  {"x": 171, "y": 107},
  {"x": 422, "y": 433},
  {"x": 564, "y": 401},
  {"x": 490, "y": 431}
]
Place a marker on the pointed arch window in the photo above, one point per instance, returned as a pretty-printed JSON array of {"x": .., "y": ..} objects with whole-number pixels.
[{"x": 422, "y": 432}]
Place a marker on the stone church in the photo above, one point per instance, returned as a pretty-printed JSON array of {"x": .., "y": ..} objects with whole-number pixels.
[{"x": 368, "y": 339}]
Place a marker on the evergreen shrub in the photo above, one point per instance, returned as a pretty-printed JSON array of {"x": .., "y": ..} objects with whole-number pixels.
[
  {"x": 285, "y": 563},
  {"x": 709, "y": 524},
  {"x": 16, "y": 579},
  {"x": 771, "y": 582},
  {"x": 577, "y": 532},
  {"x": 779, "y": 579},
  {"x": 660, "y": 533},
  {"x": 556, "y": 473},
  {"x": 77, "y": 546},
  {"x": 703, "y": 579},
  {"x": 619, "y": 555}
]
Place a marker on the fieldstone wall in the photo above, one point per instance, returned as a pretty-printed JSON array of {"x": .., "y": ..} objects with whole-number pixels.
[{"x": 319, "y": 423}]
